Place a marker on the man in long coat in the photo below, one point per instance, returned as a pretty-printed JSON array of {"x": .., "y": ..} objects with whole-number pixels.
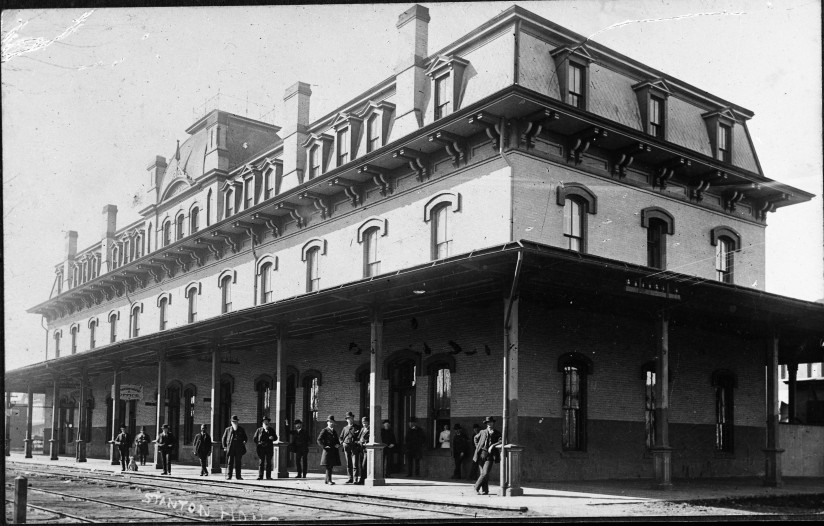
[
  {"x": 329, "y": 442},
  {"x": 166, "y": 443},
  {"x": 265, "y": 438},
  {"x": 487, "y": 452},
  {"x": 414, "y": 444},
  {"x": 300, "y": 447},
  {"x": 123, "y": 442},
  {"x": 388, "y": 439},
  {"x": 363, "y": 439},
  {"x": 202, "y": 448},
  {"x": 351, "y": 448},
  {"x": 234, "y": 443}
]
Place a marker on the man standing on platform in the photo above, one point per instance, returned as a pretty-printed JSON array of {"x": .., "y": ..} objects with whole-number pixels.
[
  {"x": 415, "y": 441},
  {"x": 234, "y": 443},
  {"x": 142, "y": 446},
  {"x": 166, "y": 443},
  {"x": 123, "y": 442},
  {"x": 487, "y": 452},
  {"x": 265, "y": 438},
  {"x": 351, "y": 448},
  {"x": 363, "y": 439},
  {"x": 389, "y": 440},
  {"x": 202, "y": 449},
  {"x": 300, "y": 446}
]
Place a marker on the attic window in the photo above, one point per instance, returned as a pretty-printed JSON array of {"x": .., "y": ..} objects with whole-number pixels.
[
  {"x": 572, "y": 67},
  {"x": 318, "y": 150},
  {"x": 447, "y": 74},
  {"x": 652, "y": 105},
  {"x": 720, "y": 126}
]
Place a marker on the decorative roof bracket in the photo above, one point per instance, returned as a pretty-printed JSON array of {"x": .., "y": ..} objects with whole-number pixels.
[
  {"x": 211, "y": 245},
  {"x": 664, "y": 171},
  {"x": 535, "y": 123},
  {"x": 492, "y": 125},
  {"x": 379, "y": 176},
  {"x": 293, "y": 213},
  {"x": 177, "y": 259},
  {"x": 170, "y": 270},
  {"x": 249, "y": 228},
  {"x": 228, "y": 239},
  {"x": 321, "y": 203},
  {"x": 151, "y": 269},
  {"x": 624, "y": 157},
  {"x": 768, "y": 205},
  {"x": 454, "y": 144},
  {"x": 703, "y": 183},
  {"x": 579, "y": 143},
  {"x": 271, "y": 222},
  {"x": 418, "y": 161},
  {"x": 349, "y": 188},
  {"x": 193, "y": 253}
]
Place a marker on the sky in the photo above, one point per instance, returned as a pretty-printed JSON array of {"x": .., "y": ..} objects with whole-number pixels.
[{"x": 90, "y": 104}]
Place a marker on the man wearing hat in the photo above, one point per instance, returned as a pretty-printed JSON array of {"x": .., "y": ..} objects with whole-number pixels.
[
  {"x": 300, "y": 446},
  {"x": 202, "y": 448},
  {"x": 329, "y": 441},
  {"x": 415, "y": 441},
  {"x": 487, "y": 452},
  {"x": 123, "y": 441},
  {"x": 388, "y": 439},
  {"x": 363, "y": 439},
  {"x": 234, "y": 444},
  {"x": 460, "y": 447},
  {"x": 141, "y": 442},
  {"x": 351, "y": 448},
  {"x": 265, "y": 438},
  {"x": 166, "y": 443}
]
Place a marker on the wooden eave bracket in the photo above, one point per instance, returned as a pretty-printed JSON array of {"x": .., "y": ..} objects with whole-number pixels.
[
  {"x": 768, "y": 205},
  {"x": 229, "y": 239},
  {"x": 169, "y": 269},
  {"x": 379, "y": 176},
  {"x": 195, "y": 254},
  {"x": 212, "y": 246},
  {"x": 624, "y": 157},
  {"x": 184, "y": 267},
  {"x": 736, "y": 193},
  {"x": 418, "y": 162},
  {"x": 535, "y": 124},
  {"x": 492, "y": 126},
  {"x": 136, "y": 275},
  {"x": 321, "y": 203},
  {"x": 666, "y": 170},
  {"x": 152, "y": 270},
  {"x": 454, "y": 144},
  {"x": 701, "y": 184},
  {"x": 579, "y": 143},
  {"x": 271, "y": 222},
  {"x": 293, "y": 213},
  {"x": 249, "y": 228},
  {"x": 349, "y": 188}
]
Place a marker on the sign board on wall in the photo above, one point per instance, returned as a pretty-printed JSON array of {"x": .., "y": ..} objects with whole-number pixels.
[{"x": 131, "y": 392}]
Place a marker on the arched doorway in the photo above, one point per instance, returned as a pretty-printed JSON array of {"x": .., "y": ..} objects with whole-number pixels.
[
  {"x": 173, "y": 414},
  {"x": 66, "y": 433},
  {"x": 402, "y": 386},
  {"x": 227, "y": 387}
]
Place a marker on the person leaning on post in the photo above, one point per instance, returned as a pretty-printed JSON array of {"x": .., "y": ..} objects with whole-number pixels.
[
  {"x": 363, "y": 439},
  {"x": 166, "y": 443},
  {"x": 300, "y": 447},
  {"x": 123, "y": 442},
  {"x": 265, "y": 438},
  {"x": 487, "y": 452},
  {"x": 234, "y": 443},
  {"x": 202, "y": 448},
  {"x": 329, "y": 442}
]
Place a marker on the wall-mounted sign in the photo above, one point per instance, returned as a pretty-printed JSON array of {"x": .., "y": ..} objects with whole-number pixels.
[{"x": 131, "y": 392}]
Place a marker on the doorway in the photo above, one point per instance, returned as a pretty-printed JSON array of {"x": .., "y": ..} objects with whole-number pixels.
[
  {"x": 402, "y": 387},
  {"x": 226, "y": 388},
  {"x": 65, "y": 434}
]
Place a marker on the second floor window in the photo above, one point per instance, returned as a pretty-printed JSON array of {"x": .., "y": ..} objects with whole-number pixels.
[
  {"x": 226, "y": 296},
  {"x": 574, "y": 224},
  {"x": 192, "y": 305},
  {"x": 113, "y": 328},
  {"x": 57, "y": 345},
  {"x": 343, "y": 147},
  {"x": 373, "y": 133},
  {"x": 194, "y": 220},
  {"x": 74, "y": 340},
  {"x": 92, "y": 334},
  {"x": 371, "y": 263},
  {"x": 266, "y": 283},
  {"x": 313, "y": 270},
  {"x": 656, "y": 244},
  {"x": 164, "y": 314},
  {"x": 135, "y": 322},
  {"x": 179, "y": 228},
  {"x": 314, "y": 161},
  {"x": 724, "y": 260},
  {"x": 724, "y": 140},
  {"x": 575, "y": 86},
  {"x": 443, "y": 102},
  {"x": 441, "y": 234},
  {"x": 656, "y": 117}
]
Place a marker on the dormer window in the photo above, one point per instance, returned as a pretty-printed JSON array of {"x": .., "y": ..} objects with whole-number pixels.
[
  {"x": 652, "y": 105},
  {"x": 314, "y": 161},
  {"x": 447, "y": 75},
  {"x": 232, "y": 198},
  {"x": 319, "y": 150},
  {"x": 720, "y": 126},
  {"x": 656, "y": 117},
  {"x": 249, "y": 192},
  {"x": 572, "y": 67},
  {"x": 343, "y": 146},
  {"x": 230, "y": 202},
  {"x": 373, "y": 133}
]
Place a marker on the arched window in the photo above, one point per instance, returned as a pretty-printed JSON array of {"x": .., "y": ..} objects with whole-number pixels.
[
  {"x": 648, "y": 371},
  {"x": 724, "y": 382},
  {"x": 313, "y": 269},
  {"x": 92, "y": 334},
  {"x": 57, "y": 336},
  {"x": 658, "y": 223},
  {"x": 311, "y": 392},
  {"x": 164, "y": 313},
  {"x": 189, "y": 400},
  {"x": 575, "y": 368},
  {"x": 226, "y": 294},
  {"x": 74, "y": 339},
  {"x": 371, "y": 262},
  {"x": 192, "y": 293},
  {"x": 441, "y": 233},
  {"x": 230, "y": 202},
  {"x": 574, "y": 224},
  {"x": 727, "y": 242},
  {"x": 115, "y": 256},
  {"x": 194, "y": 224},
  {"x": 266, "y": 283},
  {"x": 441, "y": 384},
  {"x": 136, "y": 320},
  {"x": 179, "y": 227},
  {"x": 112, "y": 327},
  {"x": 167, "y": 233},
  {"x": 263, "y": 388}
]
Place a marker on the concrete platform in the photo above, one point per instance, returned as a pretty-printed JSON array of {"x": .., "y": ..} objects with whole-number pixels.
[{"x": 600, "y": 498}]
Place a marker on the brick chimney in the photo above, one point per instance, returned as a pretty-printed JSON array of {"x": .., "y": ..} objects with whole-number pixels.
[
  {"x": 410, "y": 81},
  {"x": 107, "y": 235},
  {"x": 68, "y": 265},
  {"x": 294, "y": 133}
]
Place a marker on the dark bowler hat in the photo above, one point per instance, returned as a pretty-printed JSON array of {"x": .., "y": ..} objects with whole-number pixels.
[
  {"x": 387, "y": 421},
  {"x": 457, "y": 426},
  {"x": 165, "y": 426},
  {"x": 266, "y": 419},
  {"x": 298, "y": 421},
  {"x": 365, "y": 419},
  {"x": 330, "y": 418},
  {"x": 412, "y": 419},
  {"x": 350, "y": 414},
  {"x": 235, "y": 418},
  {"x": 122, "y": 426},
  {"x": 202, "y": 426},
  {"x": 489, "y": 419}
]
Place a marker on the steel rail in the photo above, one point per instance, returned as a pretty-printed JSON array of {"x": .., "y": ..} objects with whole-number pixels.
[{"x": 58, "y": 513}]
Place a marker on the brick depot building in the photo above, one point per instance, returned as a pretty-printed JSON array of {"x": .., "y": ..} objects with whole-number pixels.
[{"x": 521, "y": 225}]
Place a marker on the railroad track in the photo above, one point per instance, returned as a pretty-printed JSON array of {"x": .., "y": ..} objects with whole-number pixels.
[{"x": 143, "y": 497}]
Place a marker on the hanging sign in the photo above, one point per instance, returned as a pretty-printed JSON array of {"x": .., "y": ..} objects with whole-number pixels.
[{"x": 131, "y": 392}]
